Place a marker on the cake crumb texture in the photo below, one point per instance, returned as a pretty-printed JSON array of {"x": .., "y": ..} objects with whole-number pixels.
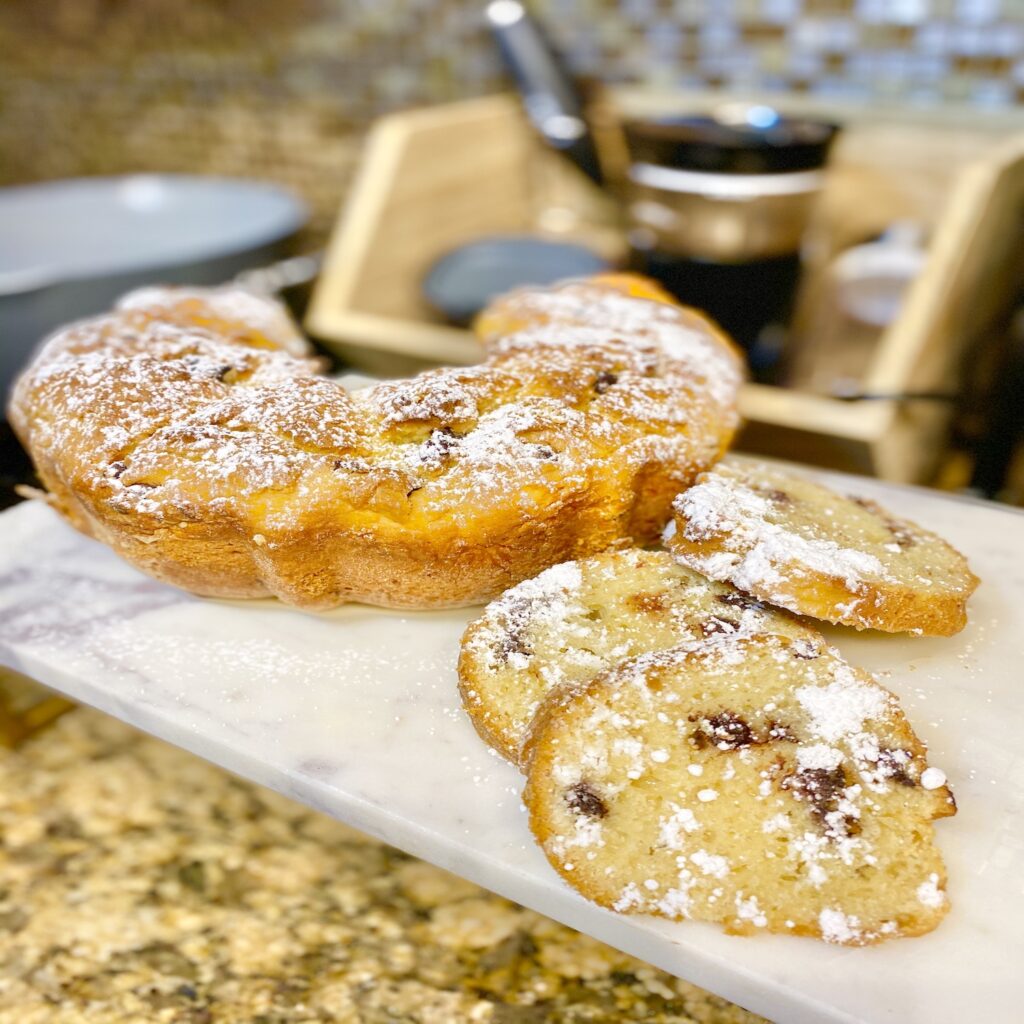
[{"x": 810, "y": 813}]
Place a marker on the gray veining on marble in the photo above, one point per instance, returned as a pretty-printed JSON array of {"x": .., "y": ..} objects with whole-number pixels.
[{"x": 355, "y": 712}]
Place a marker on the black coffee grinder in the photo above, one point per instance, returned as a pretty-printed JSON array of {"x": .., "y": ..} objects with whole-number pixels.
[{"x": 717, "y": 209}]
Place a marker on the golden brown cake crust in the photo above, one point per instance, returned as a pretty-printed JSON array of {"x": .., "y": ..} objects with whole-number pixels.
[
  {"x": 799, "y": 545},
  {"x": 189, "y": 432}
]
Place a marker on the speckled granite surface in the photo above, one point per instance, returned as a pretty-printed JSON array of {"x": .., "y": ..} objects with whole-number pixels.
[{"x": 140, "y": 884}]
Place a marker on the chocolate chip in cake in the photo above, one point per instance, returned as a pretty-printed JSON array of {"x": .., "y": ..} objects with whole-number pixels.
[
  {"x": 779, "y": 731},
  {"x": 774, "y": 494},
  {"x": 717, "y": 626},
  {"x": 582, "y": 799},
  {"x": 900, "y": 532},
  {"x": 515, "y": 619},
  {"x": 604, "y": 381},
  {"x": 725, "y": 730},
  {"x": 821, "y": 788},
  {"x": 805, "y": 650},
  {"x": 893, "y": 765},
  {"x": 351, "y": 465},
  {"x": 440, "y": 443},
  {"x": 867, "y": 504},
  {"x": 512, "y": 643},
  {"x": 741, "y": 601}
]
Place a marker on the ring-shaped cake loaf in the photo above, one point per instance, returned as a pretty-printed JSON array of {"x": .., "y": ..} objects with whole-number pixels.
[{"x": 191, "y": 432}]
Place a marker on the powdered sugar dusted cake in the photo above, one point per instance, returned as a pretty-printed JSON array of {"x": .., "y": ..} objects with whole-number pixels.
[
  {"x": 801, "y": 546},
  {"x": 576, "y": 619},
  {"x": 188, "y": 430},
  {"x": 757, "y": 783}
]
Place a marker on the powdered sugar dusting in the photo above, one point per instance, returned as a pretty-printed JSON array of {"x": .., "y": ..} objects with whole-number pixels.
[
  {"x": 818, "y": 757},
  {"x": 933, "y": 778},
  {"x": 230, "y": 305},
  {"x": 546, "y": 601},
  {"x": 838, "y": 927},
  {"x": 623, "y": 604},
  {"x": 710, "y": 863},
  {"x": 840, "y": 709},
  {"x": 802, "y": 798},
  {"x": 585, "y": 315},
  {"x": 760, "y": 552},
  {"x": 187, "y": 405},
  {"x": 679, "y": 821},
  {"x": 929, "y": 893},
  {"x": 795, "y": 543}
]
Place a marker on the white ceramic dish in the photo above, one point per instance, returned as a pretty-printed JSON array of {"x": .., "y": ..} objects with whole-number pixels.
[
  {"x": 355, "y": 713},
  {"x": 69, "y": 248}
]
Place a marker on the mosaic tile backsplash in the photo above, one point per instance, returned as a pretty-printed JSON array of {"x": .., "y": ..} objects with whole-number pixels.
[{"x": 285, "y": 90}]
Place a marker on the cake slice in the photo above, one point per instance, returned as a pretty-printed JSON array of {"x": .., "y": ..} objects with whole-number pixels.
[
  {"x": 802, "y": 546},
  {"x": 758, "y": 783},
  {"x": 576, "y": 619}
]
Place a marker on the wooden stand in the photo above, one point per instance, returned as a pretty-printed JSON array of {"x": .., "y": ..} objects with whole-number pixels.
[{"x": 433, "y": 179}]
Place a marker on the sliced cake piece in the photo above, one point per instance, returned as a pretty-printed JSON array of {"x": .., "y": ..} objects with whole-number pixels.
[
  {"x": 757, "y": 783},
  {"x": 801, "y": 546},
  {"x": 579, "y": 618}
]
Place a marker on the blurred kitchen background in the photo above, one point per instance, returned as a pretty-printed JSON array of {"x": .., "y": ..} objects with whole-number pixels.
[
  {"x": 287, "y": 91},
  {"x": 396, "y": 127},
  {"x": 923, "y": 182}
]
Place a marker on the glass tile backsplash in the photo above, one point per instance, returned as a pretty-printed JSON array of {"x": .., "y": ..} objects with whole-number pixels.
[{"x": 285, "y": 90}]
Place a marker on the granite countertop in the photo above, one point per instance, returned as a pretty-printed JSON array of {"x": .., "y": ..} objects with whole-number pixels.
[{"x": 141, "y": 884}]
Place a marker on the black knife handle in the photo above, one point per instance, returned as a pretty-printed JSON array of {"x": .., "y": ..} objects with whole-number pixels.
[{"x": 552, "y": 101}]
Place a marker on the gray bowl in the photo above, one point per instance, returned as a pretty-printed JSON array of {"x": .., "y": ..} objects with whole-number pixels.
[{"x": 68, "y": 249}]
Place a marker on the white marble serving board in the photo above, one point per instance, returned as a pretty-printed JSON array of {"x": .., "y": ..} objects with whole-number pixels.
[{"x": 356, "y": 714}]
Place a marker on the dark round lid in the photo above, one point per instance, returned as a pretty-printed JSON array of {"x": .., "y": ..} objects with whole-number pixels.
[
  {"x": 464, "y": 280},
  {"x": 760, "y": 141}
]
